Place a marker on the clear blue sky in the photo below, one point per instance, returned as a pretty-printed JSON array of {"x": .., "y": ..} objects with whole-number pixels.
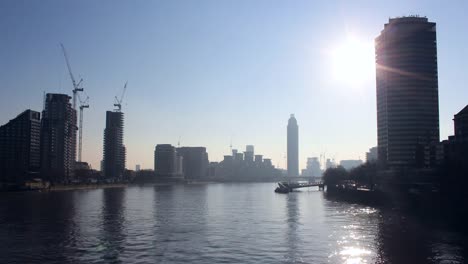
[{"x": 212, "y": 71}]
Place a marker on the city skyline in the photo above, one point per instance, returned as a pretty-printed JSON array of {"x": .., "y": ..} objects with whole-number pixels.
[{"x": 186, "y": 99}]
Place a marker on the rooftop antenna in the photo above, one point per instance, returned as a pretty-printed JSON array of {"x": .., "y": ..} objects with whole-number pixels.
[{"x": 178, "y": 143}]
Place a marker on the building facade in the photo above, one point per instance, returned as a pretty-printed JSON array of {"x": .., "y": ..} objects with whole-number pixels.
[
  {"x": 313, "y": 168},
  {"x": 195, "y": 162},
  {"x": 167, "y": 164},
  {"x": 293, "y": 147},
  {"x": 407, "y": 89},
  {"x": 20, "y": 148},
  {"x": 371, "y": 155},
  {"x": 455, "y": 149},
  {"x": 58, "y": 139},
  {"x": 114, "y": 154}
]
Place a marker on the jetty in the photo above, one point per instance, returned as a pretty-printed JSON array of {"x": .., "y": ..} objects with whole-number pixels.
[{"x": 286, "y": 187}]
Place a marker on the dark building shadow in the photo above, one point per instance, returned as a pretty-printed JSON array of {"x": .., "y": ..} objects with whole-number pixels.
[
  {"x": 113, "y": 222},
  {"x": 37, "y": 228}
]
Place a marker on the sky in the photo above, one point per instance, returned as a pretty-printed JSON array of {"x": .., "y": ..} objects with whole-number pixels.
[{"x": 216, "y": 72}]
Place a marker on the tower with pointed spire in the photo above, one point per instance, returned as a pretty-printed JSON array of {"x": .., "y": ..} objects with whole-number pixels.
[{"x": 293, "y": 147}]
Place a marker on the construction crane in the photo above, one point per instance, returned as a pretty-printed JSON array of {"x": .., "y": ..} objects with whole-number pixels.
[
  {"x": 83, "y": 104},
  {"x": 76, "y": 85},
  {"x": 118, "y": 103}
]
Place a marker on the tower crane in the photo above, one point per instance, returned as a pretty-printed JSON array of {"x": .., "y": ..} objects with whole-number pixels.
[
  {"x": 118, "y": 102},
  {"x": 83, "y": 104},
  {"x": 76, "y": 85}
]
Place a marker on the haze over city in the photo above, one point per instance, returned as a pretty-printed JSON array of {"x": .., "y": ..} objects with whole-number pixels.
[{"x": 212, "y": 72}]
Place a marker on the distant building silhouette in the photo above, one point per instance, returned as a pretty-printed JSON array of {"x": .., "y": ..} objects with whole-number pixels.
[
  {"x": 20, "y": 148},
  {"x": 460, "y": 122},
  {"x": 194, "y": 162},
  {"x": 313, "y": 168},
  {"x": 249, "y": 153},
  {"x": 350, "y": 164},
  {"x": 372, "y": 155},
  {"x": 258, "y": 159},
  {"x": 114, "y": 154},
  {"x": 58, "y": 139},
  {"x": 455, "y": 149},
  {"x": 407, "y": 89},
  {"x": 236, "y": 168},
  {"x": 167, "y": 164},
  {"x": 249, "y": 148},
  {"x": 293, "y": 147},
  {"x": 330, "y": 164}
]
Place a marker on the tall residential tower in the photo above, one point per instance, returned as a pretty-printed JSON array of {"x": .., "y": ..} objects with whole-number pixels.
[
  {"x": 58, "y": 139},
  {"x": 293, "y": 147},
  {"x": 114, "y": 149},
  {"x": 407, "y": 89}
]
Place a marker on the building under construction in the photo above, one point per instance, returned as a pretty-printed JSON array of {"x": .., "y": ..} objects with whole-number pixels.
[
  {"x": 114, "y": 149},
  {"x": 58, "y": 139}
]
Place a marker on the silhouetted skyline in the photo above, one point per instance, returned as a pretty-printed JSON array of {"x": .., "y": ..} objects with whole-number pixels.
[{"x": 236, "y": 69}]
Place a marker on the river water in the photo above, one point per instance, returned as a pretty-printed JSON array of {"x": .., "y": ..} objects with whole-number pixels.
[{"x": 214, "y": 223}]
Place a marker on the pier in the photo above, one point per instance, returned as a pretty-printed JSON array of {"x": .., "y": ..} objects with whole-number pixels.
[{"x": 286, "y": 187}]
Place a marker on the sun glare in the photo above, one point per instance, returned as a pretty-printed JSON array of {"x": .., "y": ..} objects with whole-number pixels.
[{"x": 353, "y": 61}]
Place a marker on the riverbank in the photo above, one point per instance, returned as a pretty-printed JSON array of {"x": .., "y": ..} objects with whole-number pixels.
[
  {"x": 61, "y": 187},
  {"x": 431, "y": 207}
]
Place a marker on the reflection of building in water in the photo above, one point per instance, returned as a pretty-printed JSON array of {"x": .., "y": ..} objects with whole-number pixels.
[
  {"x": 113, "y": 221},
  {"x": 293, "y": 238}
]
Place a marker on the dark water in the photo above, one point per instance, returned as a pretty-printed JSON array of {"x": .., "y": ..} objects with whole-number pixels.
[{"x": 213, "y": 223}]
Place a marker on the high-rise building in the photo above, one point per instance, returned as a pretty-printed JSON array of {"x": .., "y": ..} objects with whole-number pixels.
[
  {"x": 195, "y": 162},
  {"x": 114, "y": 149},
  {"x": 313, "y": 168},
  {"x": 371, "y": 155},
  {"x": 167, "y": 164},
  {"x": 249, "y": 153},
  {"x": 58, "y": 138},
  {"x": 293, "y": 147},
  {"x": 249, "y": 148},
  {"x": 20, "y": 147},
  {"x": 407, "y": 89}
]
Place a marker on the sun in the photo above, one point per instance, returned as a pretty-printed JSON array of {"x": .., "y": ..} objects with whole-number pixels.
[{"x": 353, "y": 61}]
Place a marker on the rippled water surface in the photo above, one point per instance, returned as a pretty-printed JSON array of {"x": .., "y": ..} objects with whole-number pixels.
[{"x": 212, "y": 223}]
